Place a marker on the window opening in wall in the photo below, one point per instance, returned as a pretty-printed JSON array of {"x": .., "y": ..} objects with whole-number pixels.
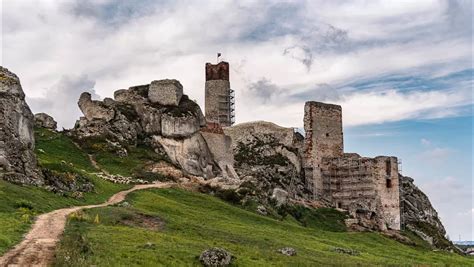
[
  {"x": 388, "y": 168},
  {"x": 327, "y": 135},
  {"x": 339, "y": 205},
  {"x": 389, "y": 183},
  {"x": 338, "y": 185}
]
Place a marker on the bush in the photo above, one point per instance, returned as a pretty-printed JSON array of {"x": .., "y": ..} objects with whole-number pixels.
[
  {"x": 229, "y": 195},
  {"x": 24, "y": 204}
]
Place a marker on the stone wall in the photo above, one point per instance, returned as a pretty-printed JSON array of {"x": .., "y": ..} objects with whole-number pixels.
[
  {"x": 324, "y": 138},
  {"x": 366, "y": 187},
  {"x": 217, "y": 94}
]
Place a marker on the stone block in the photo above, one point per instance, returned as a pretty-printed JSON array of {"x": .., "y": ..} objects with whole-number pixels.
[{"x": 165, "y": 92}]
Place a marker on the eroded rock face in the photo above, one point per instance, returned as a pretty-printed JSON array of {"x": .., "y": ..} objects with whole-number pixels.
[
  {"x": 179, "y": 126},
  {"x": 267, "y": 156},
  {"x": 17, "y": 159},
  {"x": 280, "y": 196},
  {"x": 157, "y": 114},
  {"x": 93, "y": 109},
  {"x": 416, "y": 207},
  {"x": 191, "y": 153},
  {"x": 45, "y": 121},
  {"x": 419, "y": 216}
]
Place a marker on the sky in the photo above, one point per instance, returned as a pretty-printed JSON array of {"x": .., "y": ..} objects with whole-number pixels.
[{"x": 401, "y": 70}]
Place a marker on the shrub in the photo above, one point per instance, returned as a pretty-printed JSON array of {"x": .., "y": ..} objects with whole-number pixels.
[
  {"x": 24, "y": 204},
  {"x": 229, "y": 195}
]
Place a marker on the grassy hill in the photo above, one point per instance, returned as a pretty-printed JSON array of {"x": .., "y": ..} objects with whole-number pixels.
[
  {"x": 173, "y": 226},
  {"x": 19, "y": 204}
]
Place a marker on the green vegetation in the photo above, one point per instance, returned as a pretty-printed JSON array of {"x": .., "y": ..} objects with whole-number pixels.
[
  {"x": 105, "y": 153},
  {"x": 194, "y": 222},
  {"x": 20, "y": 204}
]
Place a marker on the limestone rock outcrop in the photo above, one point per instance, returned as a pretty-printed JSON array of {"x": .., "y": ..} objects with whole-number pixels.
[
  {"x": 419, "y": 216},
  {"x": 183, "y": 120},
  {"x": 17, "y": 159},
  {"x": 159, "y": 115},
  {"x": 45, "y": 121},
  {"x": 191, "y": 153},
  {"x": 93, "y": 109},
  {"x": 165, "y": 92},
  {"x": 267, "y": 156},
  {"x": 416, "y": 207}
]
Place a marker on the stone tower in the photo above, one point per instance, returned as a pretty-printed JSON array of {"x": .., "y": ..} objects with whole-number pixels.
[
  {"x": 219, "y": 99},
  {"x": 324, "y": 139}
]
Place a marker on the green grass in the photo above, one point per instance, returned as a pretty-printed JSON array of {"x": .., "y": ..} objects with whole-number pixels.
[
  {"x": 52, "y": 148},
  {"x": 131, "y": 165},
  {"x": 195, "y": 222},
  {"x": 20, "y": 204}
]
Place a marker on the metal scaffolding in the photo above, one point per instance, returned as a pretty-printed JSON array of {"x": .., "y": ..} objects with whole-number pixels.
[{"x": 227, "y": 108}]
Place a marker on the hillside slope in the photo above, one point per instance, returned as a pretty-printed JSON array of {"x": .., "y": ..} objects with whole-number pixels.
[{"x": 173, "y": 226}]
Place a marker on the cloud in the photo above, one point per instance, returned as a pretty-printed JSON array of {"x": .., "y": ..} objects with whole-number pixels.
[
  {"x": 436, "y": 154},
  {"x": 425, "y": 142},
  {"x": 60, "y": 101},
  {"x": 453, "y": 200},
  {"x": 383, "y": 61}
]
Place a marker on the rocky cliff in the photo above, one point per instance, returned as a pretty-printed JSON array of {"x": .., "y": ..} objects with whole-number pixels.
[
  {"x": 156, "y": 114},
  {"x": 267, "y": 159},
  {"x": 419, "y": 216},
  {"x": 17, "y": 159}
]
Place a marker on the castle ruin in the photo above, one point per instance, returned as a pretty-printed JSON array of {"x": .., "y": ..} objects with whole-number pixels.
[
  {"x": 219, "y": 97},
  {"x": 367, "y": 187}
]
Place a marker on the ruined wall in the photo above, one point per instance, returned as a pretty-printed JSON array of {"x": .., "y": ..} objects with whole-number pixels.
[
  {"x": 217, "y": 94},
  {"x": 324, "y": 138},
  {"x": 367, "y": 187}
]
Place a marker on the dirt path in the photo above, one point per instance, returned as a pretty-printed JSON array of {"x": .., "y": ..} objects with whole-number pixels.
[{"x": 38, "y": 246}]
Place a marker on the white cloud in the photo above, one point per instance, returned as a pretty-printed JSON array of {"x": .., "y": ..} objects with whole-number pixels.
[
  {"x": 330, "y": 46},
  {"x": 61, "y": 100},
  {"x": 453, "y": 200},
  {"x": 425, "y": 142}
]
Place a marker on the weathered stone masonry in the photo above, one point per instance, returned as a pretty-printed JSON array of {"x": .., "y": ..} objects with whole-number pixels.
[
  {"x": 367, "y": 187},
  {"x": 323, "y": 127},
  {"x": 218, "y": 95}
]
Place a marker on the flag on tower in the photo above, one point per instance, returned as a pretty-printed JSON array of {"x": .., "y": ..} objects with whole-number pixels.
[{"x": 219, "y": 54}]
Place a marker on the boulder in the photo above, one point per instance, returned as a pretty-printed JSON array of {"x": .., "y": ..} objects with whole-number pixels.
[
  {"x": 165, "y": 92},
  {"x": 17, "y": 159},
  {"x": 93, "y": 109},
  {"x": 280, "y": 196},
  {"x": 132, "y": 95},
  {"x": 45, "y": 121},
  {"x": 215, "y": 257},
  {"x": 262, "y": 210},
  {"x": 288, "y": 251}
]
